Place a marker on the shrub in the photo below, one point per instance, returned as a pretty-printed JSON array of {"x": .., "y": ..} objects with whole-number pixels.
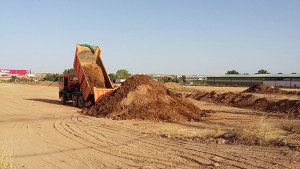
[
  {"x": 256, "y": 133},
  {"x": 53, "y": 77}
]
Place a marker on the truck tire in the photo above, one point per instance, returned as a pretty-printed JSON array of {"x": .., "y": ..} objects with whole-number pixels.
[
  {"x": 81, "y": 102},
  {"x": 75, "y": 100},
  {"x": 63, "y": 99}
]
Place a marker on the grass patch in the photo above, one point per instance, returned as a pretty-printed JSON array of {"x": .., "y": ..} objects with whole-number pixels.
[
  {"x": 261, "y": 132},
  {"x": 291, "y": 137},
  {"x": 256, "y": 133},
  {"x": 291, "y": 126},
  {"x": 195, "y": 133},
  {"x": 212, "y": 133}
]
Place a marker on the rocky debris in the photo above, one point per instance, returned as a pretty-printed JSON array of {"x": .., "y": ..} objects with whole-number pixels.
[
  {"x": 216, "y": 165},
  {"x": 229, "y": 135},
  {"x": 220, "y": 141}
]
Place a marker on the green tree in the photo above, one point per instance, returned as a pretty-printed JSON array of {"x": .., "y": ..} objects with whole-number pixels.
[
  {"x": 167, "y": 79},
  {"x": 112, "y": 77},
  {"x": 53, "y": 77},
  {"x": 122, "y": 74},
  {"x": 230, "y": 72},
  {"x": 69, "y": 71},
  {"x": 183, "y": 78},
  {"x": 263, "y": 71}
]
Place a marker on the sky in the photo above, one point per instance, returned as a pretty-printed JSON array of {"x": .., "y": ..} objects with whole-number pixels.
[{"x": 202, "y": 37}]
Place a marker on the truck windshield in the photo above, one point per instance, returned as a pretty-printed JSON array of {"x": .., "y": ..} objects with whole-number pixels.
[{"x": 73, "y": 79}]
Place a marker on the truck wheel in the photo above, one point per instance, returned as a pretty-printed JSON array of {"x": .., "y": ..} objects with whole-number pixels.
[
  {"x": 75, "y": 101},
  {"x": 63, "y": 99},
  {"x": 81, "y": 102}
]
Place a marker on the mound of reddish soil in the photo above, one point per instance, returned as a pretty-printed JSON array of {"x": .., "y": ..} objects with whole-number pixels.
[
  {"x": 264, "y": 89},
  {"x": 140, "y": 97},
  {"x": 268, "y": 89},
  {"x": 94, "y": 75},
  {"x": 290, "y": 108}
]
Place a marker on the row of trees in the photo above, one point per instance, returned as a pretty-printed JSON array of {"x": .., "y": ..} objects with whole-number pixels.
[
  {"x": 181, "y": 79},
  {"x": 120, "y": 74},
  {"x": 261, "y": 71},
  {"x": 124, "y": 74},
  {"x": 53, "y": 77}
]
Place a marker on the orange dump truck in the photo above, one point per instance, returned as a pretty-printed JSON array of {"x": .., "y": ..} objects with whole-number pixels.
[{"x": 90, "y": 83}]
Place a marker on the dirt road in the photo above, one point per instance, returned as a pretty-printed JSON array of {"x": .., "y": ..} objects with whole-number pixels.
[{"x": 38, "y": 132}]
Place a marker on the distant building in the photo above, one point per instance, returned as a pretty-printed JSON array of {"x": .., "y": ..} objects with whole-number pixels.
[
  {"x": 13, "y": 72},
  {"x": 119, "y": 81},
  {"x": 280, "y": 80}
]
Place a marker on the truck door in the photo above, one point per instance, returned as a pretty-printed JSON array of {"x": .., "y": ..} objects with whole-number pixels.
[{"x": 65, "y": 82}]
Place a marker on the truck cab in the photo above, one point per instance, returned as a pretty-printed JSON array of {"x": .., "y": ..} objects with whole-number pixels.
[
  {"x": 68, "y": 82},
  {"x": 69, "y": 89}
]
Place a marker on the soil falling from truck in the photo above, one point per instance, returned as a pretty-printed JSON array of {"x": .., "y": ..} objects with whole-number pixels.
[
  {"x": 94, "y": 75},
  {"x": 140, "y": 97}
]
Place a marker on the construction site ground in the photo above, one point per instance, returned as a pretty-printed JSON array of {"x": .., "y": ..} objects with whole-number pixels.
[{"x": 36, "y": 131}]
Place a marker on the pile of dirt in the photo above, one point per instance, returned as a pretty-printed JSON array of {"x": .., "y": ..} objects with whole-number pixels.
[
  {"x": 289, "y": 108},
  {"x": 94, "y": 75},
  {"x": 264, "y": 89},
  {"x": 292, "y": 92},
  {"x": 173, "y": 85},
  {"x": 268, "y": 89},
  {"x": 140, "y": 97}
]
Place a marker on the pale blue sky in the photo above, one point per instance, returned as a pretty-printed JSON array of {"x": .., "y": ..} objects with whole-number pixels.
[{"x": 153, "y": 36}]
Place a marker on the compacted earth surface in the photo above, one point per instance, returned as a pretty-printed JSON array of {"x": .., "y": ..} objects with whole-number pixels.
[{"x": 36, "y": 131}]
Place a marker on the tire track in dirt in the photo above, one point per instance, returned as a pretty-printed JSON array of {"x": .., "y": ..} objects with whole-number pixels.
[
  {"x": 145, "y": 158},
  {"x": 32, "y": 131},
  {"x": 158, "y": 144},
  {"x": 67, "y": 134},
  {"x": 236, "y": 156},
  {"x": 196, "y": 155},
  {"x": 85, "y": 141},
  {"x": 44, "y": 134},
  {"x": 146, "y": 144},
  {"x": 125, "y": 149},
  {"x": 173, "y": 145}
]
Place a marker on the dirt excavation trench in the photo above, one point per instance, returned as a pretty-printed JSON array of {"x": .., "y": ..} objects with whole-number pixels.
[{"x": 284, "y": 107}]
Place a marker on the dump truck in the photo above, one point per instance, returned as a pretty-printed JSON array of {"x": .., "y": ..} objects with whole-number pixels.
[{"x": 90, "y": 83}]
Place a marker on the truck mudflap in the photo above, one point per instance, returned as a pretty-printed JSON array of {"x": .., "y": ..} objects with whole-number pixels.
[{"x": 100, "y": 93}]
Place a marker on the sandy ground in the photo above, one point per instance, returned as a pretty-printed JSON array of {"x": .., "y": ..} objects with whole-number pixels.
[{"x": 38, "y": 132}]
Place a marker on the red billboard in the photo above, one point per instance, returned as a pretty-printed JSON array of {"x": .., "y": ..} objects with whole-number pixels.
[{"x": 15, "y": 72}]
